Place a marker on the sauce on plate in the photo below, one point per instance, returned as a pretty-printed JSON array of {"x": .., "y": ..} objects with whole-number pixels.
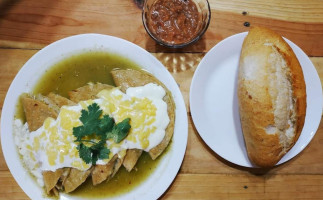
[{"x": 77, "y": 70}]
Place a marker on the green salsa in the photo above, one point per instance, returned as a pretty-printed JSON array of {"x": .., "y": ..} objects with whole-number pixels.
[
  {"x": 78, "y": 70},
  {"x": 122, "y": 182}
]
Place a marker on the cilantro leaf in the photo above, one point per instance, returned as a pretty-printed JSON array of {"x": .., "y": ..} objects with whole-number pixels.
[
  {"x": 97, "y": 146},
  {"x": 101, "y": 129},
  {"x": 85, "y": 153},
  {"x": 90, "y": 120},
  {"x": 104, "y": 153},
  {"x": 79, "y": 132},
  {"x": 90, "y": 117},
  {"x": 119, "y": 131},
  {"x": 99, "y": 151},
  {"x": 106, "y": 125},
  {"x": 124, "y": 126},
  {"x": 95, "y": 149},
  {"x": 123, "y": 129}
]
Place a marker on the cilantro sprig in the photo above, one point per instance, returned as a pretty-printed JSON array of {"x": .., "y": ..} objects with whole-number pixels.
[{"x": 99, "y": 129}]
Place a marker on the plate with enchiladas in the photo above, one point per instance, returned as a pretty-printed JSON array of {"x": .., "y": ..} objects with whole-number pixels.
[{"x": 94, "y": 117}]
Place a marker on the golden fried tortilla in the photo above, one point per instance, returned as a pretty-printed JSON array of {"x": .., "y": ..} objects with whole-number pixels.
[
  {"x": 59, "y": 100},
  {"x": 64, "y": 175},
  {"x": 55, "y": 192},
  {"x": 75, "y": 179},
  {"x": 87, "y": 92},
  {"x": 102, "y": 172},
  {"x": 51, "y": 179},
  {"x": 134, "y": 78},
  {"x": 131, "y": 158},
  {"x": 116, "y": 167},
  {"x": 36, "y": 111}
]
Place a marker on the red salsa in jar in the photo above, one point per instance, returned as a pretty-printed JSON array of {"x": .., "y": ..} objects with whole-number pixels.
[{"x": 174, "y": 21}]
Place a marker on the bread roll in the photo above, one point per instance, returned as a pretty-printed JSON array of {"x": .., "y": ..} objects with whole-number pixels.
[{"x": 272, "y": 96}]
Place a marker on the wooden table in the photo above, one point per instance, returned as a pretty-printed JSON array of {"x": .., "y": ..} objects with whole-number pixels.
[{"x": 26, "y": 26}]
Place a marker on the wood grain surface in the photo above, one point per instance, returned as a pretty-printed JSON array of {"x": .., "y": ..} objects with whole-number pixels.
[
  {"x": 26, "y": 26},
  {"x": 34, "y": 24}
]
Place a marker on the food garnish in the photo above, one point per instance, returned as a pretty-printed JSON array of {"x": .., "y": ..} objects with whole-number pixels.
[{"x": 99, "y": 130}]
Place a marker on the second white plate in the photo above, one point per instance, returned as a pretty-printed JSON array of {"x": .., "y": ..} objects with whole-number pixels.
[{"x": 214, "y": 102}]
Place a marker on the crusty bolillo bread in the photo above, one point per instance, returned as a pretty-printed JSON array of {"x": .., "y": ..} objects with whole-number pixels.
[{"x": 272, "y": 96}]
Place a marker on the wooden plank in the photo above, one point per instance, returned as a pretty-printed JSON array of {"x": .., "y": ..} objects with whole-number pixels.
[
  {"x": 308, "y": 36},
  {"x": 182, "y": 67},
  {"x": 215, "y": 186},
  {"x": 34, "y": 24},
  {"x": 11, "y": 60},
  {"x": 3, "y": 164},
  {"x": 294, "y": 11},
  {"x": 219, "y": 186},
  {"x": 228, "y": 186},
  {"x": 9, "y": 188},
  {"x": 318, "y": 63},
  {"x": 294, "y": 186}
]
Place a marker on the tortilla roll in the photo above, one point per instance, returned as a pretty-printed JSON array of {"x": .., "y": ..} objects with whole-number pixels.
[
  {"x": 36, "y": 112},
  {"x": 101, "y": 172},
  {"x": 75, "y": 179},
  {"x": 116, "y": 167},
  {"x": 66, "y": 172},
  {"x": 87, "y": 92},
  {"x": 134, "y": 78},
  {"x": 51, "y": 179},
  {"x": 131, "y": 158},
  {"x": 59, "y": 100}
]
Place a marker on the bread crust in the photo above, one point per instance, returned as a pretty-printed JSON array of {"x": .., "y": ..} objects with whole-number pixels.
[{"x": 255, "y": 100}]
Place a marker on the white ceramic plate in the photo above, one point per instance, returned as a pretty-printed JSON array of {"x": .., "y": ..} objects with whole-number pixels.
[
  {"x": 157, "y": 183},
  {"x": 214, "y": 103}
]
